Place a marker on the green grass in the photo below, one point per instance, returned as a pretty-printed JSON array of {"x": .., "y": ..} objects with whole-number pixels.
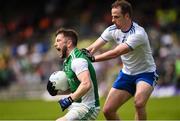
[{"x": 157, "y": 109}]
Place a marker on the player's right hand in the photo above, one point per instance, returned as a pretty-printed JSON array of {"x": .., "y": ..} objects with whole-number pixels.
[
  {"x": 88, "y": 54},
  {"x": 51, "y": 89}
]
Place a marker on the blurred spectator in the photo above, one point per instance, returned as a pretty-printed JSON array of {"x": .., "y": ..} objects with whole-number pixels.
[{"x": 6, "y": 74}]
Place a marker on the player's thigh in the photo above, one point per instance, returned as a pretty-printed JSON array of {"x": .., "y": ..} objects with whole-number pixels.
[
  {"x": 115, "y": 99},
  {"x": 61, "y": 119},
  {"x": 143, "y": 92},
  {"x": 79, "y": 111}
]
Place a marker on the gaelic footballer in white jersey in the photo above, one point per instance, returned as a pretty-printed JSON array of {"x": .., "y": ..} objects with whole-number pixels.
[{"x": 140, "y": 59}]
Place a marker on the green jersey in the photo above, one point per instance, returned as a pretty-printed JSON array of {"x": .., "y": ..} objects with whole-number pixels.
[{"x": 76, "y": 63}]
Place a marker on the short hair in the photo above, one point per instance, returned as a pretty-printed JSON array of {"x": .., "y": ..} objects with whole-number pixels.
[
  {"x": 71, "y": 33},
  {"x": 124, "y": 5}
]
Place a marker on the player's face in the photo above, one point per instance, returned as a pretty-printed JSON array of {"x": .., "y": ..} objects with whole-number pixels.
[
  {"x": 61, "y": 45},
  {"x": 117, "y": 17}
]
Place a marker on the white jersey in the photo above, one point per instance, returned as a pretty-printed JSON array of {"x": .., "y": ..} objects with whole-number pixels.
[
  {"x": 79, "y": 65},
  {"x": 138, "y": 60}
]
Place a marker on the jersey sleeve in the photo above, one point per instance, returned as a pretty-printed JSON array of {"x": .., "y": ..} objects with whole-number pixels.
[
  {"x": 135, "y": 40},
  {"x": 106, "y": 35},
  {"x": 79, "y": 65}
]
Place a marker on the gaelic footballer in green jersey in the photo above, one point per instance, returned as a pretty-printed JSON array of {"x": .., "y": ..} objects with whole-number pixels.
[{"x": 83, "y": 99}]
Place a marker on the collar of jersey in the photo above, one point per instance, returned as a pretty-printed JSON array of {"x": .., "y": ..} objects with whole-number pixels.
[
  {"x": 71, "y": 54},
  {"x": 128, "y": 29}
]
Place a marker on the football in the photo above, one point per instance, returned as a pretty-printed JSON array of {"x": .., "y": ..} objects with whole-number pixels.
[{"x": 59, "y": 80}]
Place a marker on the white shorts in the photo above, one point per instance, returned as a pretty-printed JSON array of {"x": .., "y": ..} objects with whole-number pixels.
[{"x": 80, "y": 111}]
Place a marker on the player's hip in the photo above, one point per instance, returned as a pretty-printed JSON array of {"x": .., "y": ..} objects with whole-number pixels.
[
  {"x": 128, "y": 82},
  {"x": 81, "y": 111}
]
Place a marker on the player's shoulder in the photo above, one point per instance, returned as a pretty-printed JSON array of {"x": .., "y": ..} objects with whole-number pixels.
[
  {"x": 138, "y": 29},
  {"x": 79, "y": 60},
  {"x": 112, "y": 28}
]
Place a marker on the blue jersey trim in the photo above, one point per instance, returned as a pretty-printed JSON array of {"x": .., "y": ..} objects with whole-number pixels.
[
  {"x": 103, "y": 39},
  {"x": 129, "y": 47},
  {"x": 132, "y": 31},
  {"x": 128, "y": 29},
  {"x": 113, "y": 27}
]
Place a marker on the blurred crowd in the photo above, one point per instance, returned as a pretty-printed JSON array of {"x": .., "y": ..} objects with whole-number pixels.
[{"x": 27, "y": 31}]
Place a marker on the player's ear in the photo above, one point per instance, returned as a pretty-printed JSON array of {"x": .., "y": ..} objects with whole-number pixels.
[
  {"x": 126, "y": 16},
  {"x": 69, "y": 43}
]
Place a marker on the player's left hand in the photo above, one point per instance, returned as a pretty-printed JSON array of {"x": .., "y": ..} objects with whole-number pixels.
[{"x": 65, "y": 103}]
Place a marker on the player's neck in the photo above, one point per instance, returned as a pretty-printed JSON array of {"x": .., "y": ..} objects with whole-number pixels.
[
  {"x": 127, "y": 26},
  {"x": 69, "y": 51}
]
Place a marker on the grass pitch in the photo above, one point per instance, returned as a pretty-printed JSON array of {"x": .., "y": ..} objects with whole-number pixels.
[{"x": 157, "y": 109}]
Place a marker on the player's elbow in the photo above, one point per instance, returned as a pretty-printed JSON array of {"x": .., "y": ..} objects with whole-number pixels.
[{"x": 87, "y": 85}]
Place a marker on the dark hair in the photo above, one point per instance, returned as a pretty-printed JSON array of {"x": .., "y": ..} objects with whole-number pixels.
[
  {"x": 72, "y": 34},
  {"x": 124, "y": 5}
]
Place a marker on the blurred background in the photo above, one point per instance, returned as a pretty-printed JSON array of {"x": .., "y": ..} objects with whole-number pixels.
[{"x": 27, "y": 56}]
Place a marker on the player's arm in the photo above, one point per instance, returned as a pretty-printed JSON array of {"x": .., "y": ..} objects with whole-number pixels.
[
  {"x": 80, "y": 67},
  {"x": 83, "y": 88},
  {"x": 85, "y": 85},
  {"x": 96, "y": 45},
  {"x": 117, "y": 51},
  {"x": 63, "y": 92}
]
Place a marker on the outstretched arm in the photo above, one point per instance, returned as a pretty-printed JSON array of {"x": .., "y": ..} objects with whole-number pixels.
[
  {"x": 96, "y": 45},
  {"x": 119, "y": 50}
]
